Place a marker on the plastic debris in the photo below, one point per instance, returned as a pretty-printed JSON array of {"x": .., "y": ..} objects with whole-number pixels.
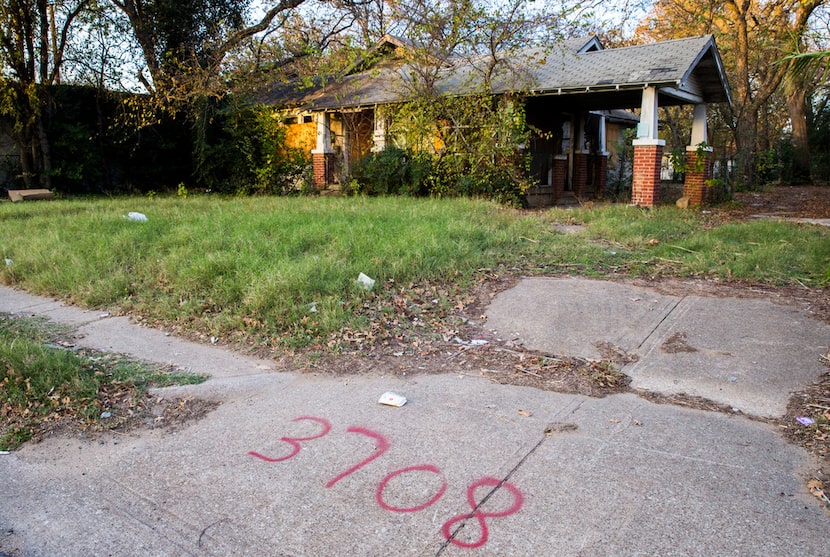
[
  {"x": 9, "y": 262},
  {"x": 5, "y": 452},
  {"x": 803, "y": 420},
  {"x": 392, "y": 399},
  {"x": 136, "y": 217},
  {"x": 473, "y": 342},
  {"x": 366, "y": 282},
  {"x": 105, "y": 415},
  {"x": 732, "y": 378}
]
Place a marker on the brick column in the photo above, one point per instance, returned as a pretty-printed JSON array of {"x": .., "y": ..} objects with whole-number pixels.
[
  {"x": 324, "y": 167},
  {"x": 648, "y": 156},
  {"x": 559, "y": 173},
  {"x": 698, "y": 171},
  {"x": 601, "y": 174},
  {"x": 580, "y": 182}
]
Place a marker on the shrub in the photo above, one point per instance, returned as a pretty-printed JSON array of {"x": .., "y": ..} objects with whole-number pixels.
[{"x": 393, "y": 171}]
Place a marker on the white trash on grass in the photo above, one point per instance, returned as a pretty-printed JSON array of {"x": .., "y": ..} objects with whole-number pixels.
[
  {"x": 136, "y": 217},
  {"x": 366, "y": 282}
]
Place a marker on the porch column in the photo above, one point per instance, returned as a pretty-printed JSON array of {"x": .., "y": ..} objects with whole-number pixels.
[
  {"x": 698, "y": 160},
  {"x": 602, "y": 159},
  {"x": 580, "y": 169},
  {"x": 648, "y": 154},
  {"x": 379, "y": 133},
  {"x": 322, "y": 156},
  {"x": 558, "y": 176}
]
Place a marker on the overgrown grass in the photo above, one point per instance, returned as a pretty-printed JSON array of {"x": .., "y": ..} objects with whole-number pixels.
[
  {"x": 43, "y": 382},
  {"x": 282, "y": 271}
]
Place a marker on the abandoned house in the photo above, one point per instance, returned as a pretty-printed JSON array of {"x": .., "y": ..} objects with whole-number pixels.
[{"x": 576, "y": 98}]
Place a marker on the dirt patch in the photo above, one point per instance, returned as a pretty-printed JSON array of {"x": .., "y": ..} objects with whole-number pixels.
[
  {"x": 793, "y": 201},
  {"x": 677, "y": 343},
  {"x": 126, "y": 414},
  {"x": 174, "y": 414},
  {"x": 807, "y": 423}
]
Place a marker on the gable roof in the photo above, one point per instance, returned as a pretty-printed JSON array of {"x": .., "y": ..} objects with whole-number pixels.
[{"x": 684, "y": 70}]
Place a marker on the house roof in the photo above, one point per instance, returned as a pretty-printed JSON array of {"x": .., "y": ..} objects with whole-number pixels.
[{"x": 685, "y": 71}]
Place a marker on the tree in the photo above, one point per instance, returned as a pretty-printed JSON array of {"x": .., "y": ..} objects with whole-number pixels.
[
  {"x": 33, "y": 39},
  {"x": 753, "y": 35}
]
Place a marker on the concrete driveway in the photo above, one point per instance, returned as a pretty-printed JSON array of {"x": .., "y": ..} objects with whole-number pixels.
[{"x": 304, "y": 465}]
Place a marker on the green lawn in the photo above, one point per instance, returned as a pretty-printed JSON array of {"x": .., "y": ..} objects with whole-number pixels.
[{"x": 281, "y": 271}]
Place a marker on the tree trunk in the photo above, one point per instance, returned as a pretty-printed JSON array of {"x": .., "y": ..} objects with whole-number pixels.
[
  {"x": 45, "y": 155},
  {"x": 26, "y": 170},
  {"x": 747, "y": 156},
  {"x": 797, "y": 109}
]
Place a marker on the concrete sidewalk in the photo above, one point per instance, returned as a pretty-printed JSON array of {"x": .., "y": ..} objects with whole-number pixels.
[
  {"x": 749, "y": 354},
  {"x": 336, "y": 474}
]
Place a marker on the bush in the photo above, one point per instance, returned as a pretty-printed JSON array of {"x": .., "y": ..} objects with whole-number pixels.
[
  {"x": 393, "y": 171},
  {"x": 242, "y": 150}
]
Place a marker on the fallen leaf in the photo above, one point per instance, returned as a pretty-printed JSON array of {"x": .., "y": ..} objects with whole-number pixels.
[
  {"x": 525, "y": 413},
  {"x": 614, "y": 421},
  {"x": 816, "y": 487}
]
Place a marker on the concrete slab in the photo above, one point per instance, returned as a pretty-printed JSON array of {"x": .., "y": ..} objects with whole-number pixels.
[
  {"x": 578, "y": 316},
  {"x": 20, "y": 302},
  {"x": 750, "y": 354},
  {"x": 632, "y": 478},
  {"x": 347, "y": 476},
  {"x": 746, "y": 353},
  {"x": 99, "y": 331}
]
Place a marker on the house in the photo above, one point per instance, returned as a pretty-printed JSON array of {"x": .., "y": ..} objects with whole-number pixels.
[{"x": 574, "y": 94}]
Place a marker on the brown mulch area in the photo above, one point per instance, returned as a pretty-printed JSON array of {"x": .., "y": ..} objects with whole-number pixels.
[{"x": 786, "y": 201}]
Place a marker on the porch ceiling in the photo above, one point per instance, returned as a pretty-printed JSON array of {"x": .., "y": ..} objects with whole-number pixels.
[{"x": 625, "y": 99}]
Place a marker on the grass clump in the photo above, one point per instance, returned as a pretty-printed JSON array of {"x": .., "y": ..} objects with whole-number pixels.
[{"x": 43, "y": 383}]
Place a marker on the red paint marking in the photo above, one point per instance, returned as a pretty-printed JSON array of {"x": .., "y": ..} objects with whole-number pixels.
[
  {"x": 432, "y": 501},
  {"x": 295, "y": 441},
  {"x": 383, "y": 446},
  {"x": 518, "y": 501}
]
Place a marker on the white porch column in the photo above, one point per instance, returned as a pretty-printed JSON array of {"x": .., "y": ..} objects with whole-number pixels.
[
  {"x": 648, "y": 127},
  {"x": 379, "y": 134},
  {"x": 602, "y": 140},
  {"x": 323, "y": 120},
  {"x": 700, "y": 127}
]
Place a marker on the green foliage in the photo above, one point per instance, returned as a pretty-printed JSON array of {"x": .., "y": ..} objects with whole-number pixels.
[
  {"x": 244, "y": 152},
  {"x": 393, "y": 171},
  {"x": 819, "y": 128},
  {"x": 450, "y": 147}
]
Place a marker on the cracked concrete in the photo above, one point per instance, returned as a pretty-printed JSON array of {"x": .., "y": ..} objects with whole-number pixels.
[{"x": 749, "y": 354}]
